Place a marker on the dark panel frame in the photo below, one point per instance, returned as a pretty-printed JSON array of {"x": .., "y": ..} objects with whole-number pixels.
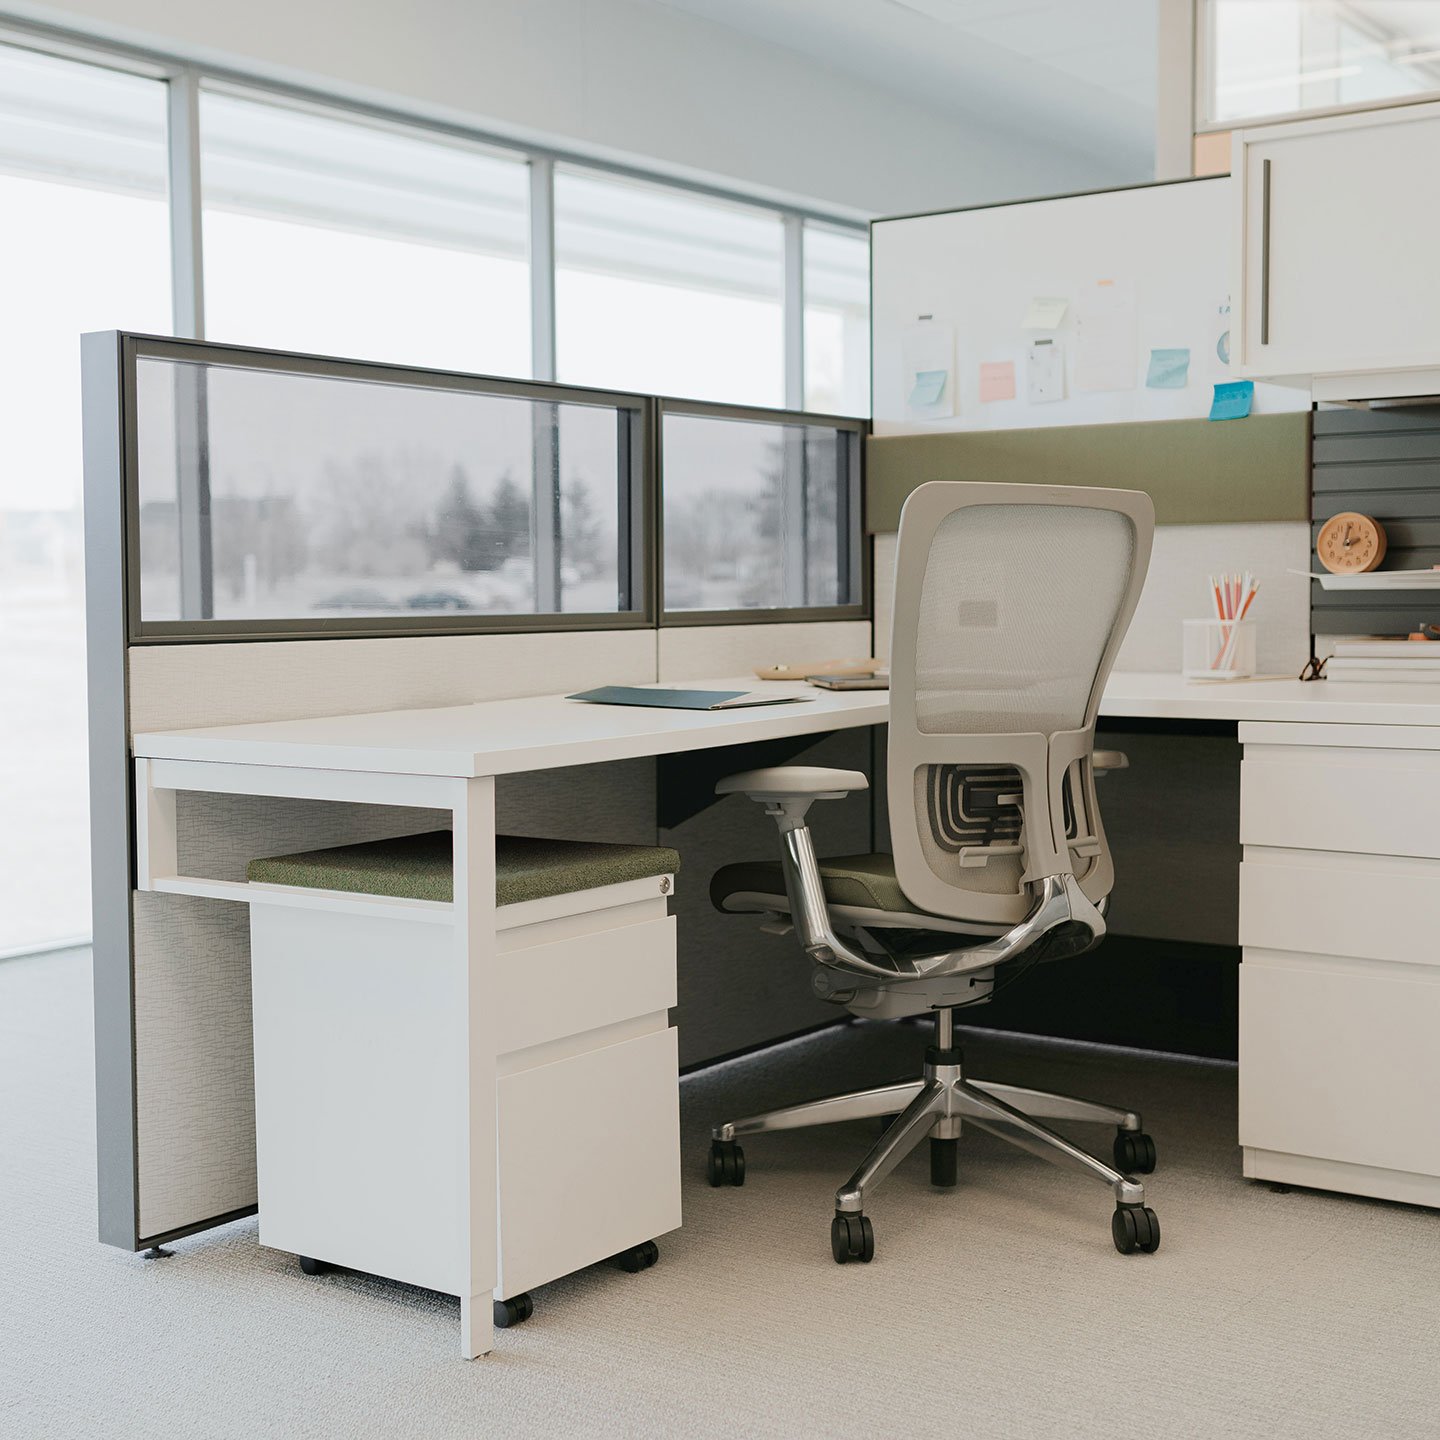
[
  {"x": 638, "y": 498},
  {"x": 855, "y": 554}
]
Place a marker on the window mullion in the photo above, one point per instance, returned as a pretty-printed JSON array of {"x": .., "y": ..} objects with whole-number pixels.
[{"x": 187, "y": 277}]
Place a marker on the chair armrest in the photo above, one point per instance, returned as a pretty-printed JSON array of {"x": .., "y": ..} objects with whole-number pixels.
[
  {"x": 786, "y": 782},
  {"x": 1103, "y": 760}
]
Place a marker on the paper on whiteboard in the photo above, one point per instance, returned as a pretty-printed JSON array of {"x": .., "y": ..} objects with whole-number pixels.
[
  {"x": 927, "y": 359},
  {"x": 1106, "y": 340},
  {"x": 1044, "y": 372},
  {"x": 1045, "y": 312},
  {"x": 997, "y": 380}
]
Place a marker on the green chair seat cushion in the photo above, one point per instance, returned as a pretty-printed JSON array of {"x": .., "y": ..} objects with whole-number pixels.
[
  {"x": 866, "y": 880},
  {"x": 419, "y": 867}
]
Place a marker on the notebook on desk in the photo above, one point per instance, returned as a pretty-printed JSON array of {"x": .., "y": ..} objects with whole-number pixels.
[{"x": 683, "y": 699}]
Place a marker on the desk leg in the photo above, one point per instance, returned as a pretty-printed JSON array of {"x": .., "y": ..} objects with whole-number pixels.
[{"x": 474, "y": 812}]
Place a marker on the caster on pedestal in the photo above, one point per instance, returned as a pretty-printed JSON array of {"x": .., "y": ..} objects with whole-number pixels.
[
  {"x": 1134, "y": 1153},
  {"x": 727, "y": 1163},
  {"x": 637, "y": 1257},
  {"x": 311, "y": 1266},
  {"x": 514, "y": 1311},
  {"x": 1135, "y": 1227},
  {"x": 852, "y": 1238}
]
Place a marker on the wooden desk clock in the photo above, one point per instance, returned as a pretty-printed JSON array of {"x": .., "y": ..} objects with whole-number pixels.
[{"x": 1350, "y": 543}]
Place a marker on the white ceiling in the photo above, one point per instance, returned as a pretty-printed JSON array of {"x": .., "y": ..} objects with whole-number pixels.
[{"x": 1080, "y": 73}]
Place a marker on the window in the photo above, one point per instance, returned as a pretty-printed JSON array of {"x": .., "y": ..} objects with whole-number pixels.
[
  {"x": 669, "y": 293},
  {"x": 336, "y": 237},
  {"x": 1264, "y": 59},
  {"x": 86, "y": 247},
  {"x": 837, "y": 321},
  {"x": 272, "y": 497},
  {"x": 759, "y": 513}
]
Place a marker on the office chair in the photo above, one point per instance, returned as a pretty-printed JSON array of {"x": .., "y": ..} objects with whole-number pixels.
[{"x": 1010, "y": 604}]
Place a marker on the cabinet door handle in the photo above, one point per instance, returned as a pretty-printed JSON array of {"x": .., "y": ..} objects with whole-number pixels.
[{"x": 1265, "y": 252}]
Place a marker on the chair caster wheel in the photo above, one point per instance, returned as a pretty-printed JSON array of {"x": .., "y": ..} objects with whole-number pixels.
[
  {"x": 312, "y": 1267},
  {"x": 727, "y": 1163},
  {"x": 1134, "y": 1153},
  {"x": 1135, "y": 1227},
  {"x": 637, "y": 1257},
  {"x": 852, "y": 1238},
  {"x": 514, "y": 1311}
]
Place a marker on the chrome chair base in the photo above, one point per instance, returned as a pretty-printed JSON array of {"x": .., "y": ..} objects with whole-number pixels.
[{"x": 936, "y": 1106}]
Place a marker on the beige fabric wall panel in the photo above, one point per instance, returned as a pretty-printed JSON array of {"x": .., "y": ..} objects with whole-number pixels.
[
  {"x": 1176, "y": 590},
  {"x": 194, "y": 1061},
  {"x": 179, "y": 687},
  {"x": 693, "y": 652}
]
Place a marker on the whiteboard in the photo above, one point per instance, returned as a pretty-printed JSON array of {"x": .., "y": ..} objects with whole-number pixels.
[{"x": 1140, "y": 271}]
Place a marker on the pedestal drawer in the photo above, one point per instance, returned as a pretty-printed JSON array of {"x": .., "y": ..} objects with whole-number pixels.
[
  {"x": 1373, "y": 802},
  {"x": 589, "y": 1158},
  {"x": 1339, "y": 1060},
  {"x": 1374, "y": 907},
  {"x": 583, "y": 981}
]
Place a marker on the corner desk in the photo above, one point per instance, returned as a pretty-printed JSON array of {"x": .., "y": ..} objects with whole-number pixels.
[{"x": 1340, "y": 823}]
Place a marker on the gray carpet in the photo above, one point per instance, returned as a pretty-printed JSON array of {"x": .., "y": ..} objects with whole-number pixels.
[{"x": 999, "y": 1309}]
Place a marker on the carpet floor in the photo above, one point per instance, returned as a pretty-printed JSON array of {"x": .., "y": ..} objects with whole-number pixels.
[{"x": 997, "y": 1309}]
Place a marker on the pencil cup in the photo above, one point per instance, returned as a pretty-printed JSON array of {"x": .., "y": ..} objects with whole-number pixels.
[{"x": 1219, "y": 649}]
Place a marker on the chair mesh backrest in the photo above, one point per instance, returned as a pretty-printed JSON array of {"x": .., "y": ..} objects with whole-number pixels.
[{"x": 1014, "y": 609}]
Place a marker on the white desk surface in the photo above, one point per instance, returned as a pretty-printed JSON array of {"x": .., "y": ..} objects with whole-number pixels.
[{"x": 502, "y": 737}]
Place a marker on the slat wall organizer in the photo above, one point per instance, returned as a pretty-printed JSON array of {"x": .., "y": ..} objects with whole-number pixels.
[{"x": 1384, "y": 463}]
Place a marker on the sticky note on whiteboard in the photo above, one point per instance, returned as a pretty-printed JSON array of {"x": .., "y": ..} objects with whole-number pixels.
[
  {"x": 1169, "y": 370},
  {"x": 1045, "y": 312},
  {"x": 1232, "y": 400},
  {"x": 929, "y": 388},
  {"x": 997, "y": 380}
]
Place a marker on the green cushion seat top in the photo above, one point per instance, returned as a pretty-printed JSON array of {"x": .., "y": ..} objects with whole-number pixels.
[
  {"x": 418, "y": 867},
  {"x": 866, "y": 880}
]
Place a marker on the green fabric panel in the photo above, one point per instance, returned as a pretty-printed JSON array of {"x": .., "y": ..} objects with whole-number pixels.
[
  {"x": 418, "y": 867},
  {"x": 867, "y": 880},
  {"x": 1198, "y": 472}
]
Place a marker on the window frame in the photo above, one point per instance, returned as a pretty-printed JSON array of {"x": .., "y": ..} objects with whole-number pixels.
[
  {"x": 856, "y": 537},
  {"x": 1205, "y": 124},
  {"x": 638, "y": 501}
]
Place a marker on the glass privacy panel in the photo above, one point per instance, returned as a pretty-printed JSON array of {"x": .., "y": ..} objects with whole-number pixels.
[
  {"x": 758, "y": 515},
  {"x": 274, "y": 496}
]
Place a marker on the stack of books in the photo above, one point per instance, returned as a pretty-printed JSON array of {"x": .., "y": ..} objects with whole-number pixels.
[{"x": 1385, "y": 661}]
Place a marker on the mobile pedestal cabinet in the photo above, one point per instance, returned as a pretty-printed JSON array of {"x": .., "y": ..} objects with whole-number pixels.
[{"x": 356, "y": 1111}]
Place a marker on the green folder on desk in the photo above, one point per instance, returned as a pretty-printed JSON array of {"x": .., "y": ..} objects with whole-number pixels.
[{"x": 683, "y": 699}]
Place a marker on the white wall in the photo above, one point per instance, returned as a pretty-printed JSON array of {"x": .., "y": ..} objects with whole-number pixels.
[{"x": 623, "y": 79}]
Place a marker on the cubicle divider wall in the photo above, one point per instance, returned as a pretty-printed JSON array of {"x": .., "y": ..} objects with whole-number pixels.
[{"x": 273, "y": 536}]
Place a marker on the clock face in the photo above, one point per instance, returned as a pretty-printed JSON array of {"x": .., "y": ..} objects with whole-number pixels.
[{"x": 1350, "y": 544}]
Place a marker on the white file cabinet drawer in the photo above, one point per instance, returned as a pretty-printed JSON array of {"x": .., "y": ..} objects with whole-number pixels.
[
  {"x": 1339, "y": 1060},
  {"x": 589, "y": 1158},
  {"x": 1373, "y": 802},
  {"x": 1372, "y": 907},
  {"x": 551, "y": 984}
]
